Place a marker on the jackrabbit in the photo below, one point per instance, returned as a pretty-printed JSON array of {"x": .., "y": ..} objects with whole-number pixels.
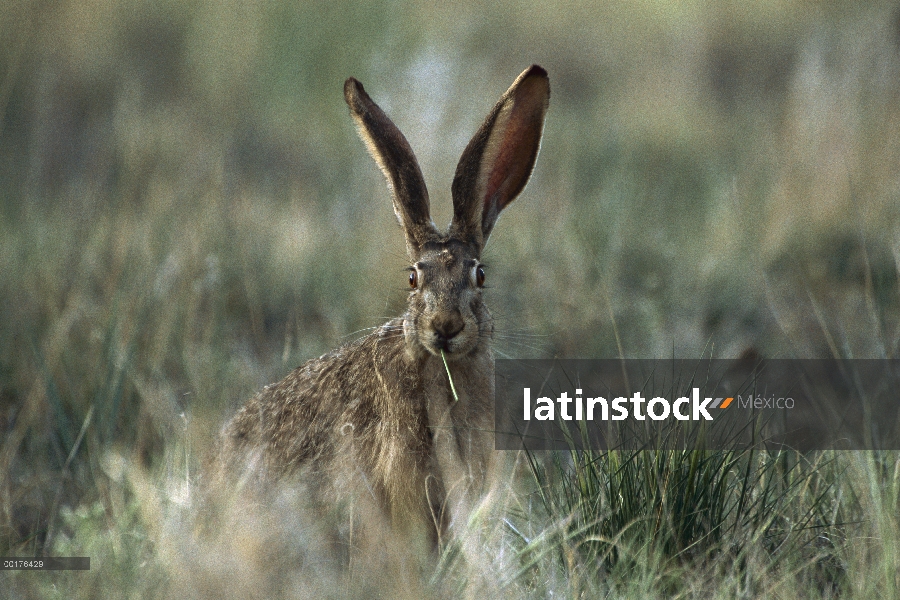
[{"x": 379, "y": 420}]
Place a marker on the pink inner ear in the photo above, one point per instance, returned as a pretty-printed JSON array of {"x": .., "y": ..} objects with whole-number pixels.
[
  {"x": 518, "y": 149},
  {"x": 511, "y": 167}
]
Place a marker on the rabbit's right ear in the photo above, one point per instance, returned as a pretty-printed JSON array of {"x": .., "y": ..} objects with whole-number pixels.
[
  {"x": 398, "y": 163},
  {"x": 497, "y": 163}
]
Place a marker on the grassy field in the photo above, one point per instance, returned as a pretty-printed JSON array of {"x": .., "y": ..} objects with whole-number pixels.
[{"x": 186, "y": 214}]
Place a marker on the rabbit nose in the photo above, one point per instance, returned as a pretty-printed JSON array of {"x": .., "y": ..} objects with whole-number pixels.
[{"x": 447, "y": 327}]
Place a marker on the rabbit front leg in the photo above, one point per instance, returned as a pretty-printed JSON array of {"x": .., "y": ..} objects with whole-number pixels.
[{"x": 461, "y": 435}]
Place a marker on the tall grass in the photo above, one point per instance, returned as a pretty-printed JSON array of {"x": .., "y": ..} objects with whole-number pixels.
[
  {"x": 186, "y": 214},
  {"x": 734, "y": 511}
]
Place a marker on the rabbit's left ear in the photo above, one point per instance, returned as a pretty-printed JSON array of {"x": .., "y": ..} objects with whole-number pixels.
[{"x": 498, "y": 161}]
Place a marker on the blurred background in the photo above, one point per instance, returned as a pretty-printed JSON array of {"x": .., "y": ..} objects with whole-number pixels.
[{"x": 187, "y": 213}]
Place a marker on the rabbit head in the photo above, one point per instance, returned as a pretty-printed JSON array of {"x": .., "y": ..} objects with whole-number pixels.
[{"x": 446, "y": 313}]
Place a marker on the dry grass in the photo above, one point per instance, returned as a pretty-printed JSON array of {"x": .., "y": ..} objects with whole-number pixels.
[{"x": 186, "y": 214}]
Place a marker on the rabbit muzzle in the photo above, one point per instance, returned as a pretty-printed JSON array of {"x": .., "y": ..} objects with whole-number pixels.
[{"x": 445, "y": 327}]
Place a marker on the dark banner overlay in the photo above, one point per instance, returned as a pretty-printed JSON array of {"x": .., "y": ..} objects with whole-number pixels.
[{"x": 698, "y": 404}]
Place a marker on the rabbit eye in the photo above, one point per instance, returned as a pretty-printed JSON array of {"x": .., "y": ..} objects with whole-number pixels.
[
  {"x": 479, "y": 276},
  {"x": 413, "y": 279}
]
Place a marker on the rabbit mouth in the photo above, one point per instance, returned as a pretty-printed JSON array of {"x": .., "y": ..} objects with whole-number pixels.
[{"x": 448, "y": 348}]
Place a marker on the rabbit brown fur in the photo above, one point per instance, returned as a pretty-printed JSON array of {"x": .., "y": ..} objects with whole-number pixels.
[{"x": 376, "y": 420}]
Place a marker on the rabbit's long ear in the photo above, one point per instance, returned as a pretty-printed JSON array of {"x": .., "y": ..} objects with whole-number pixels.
[
  {"x": 395, "y": 158},
  {"x": 497, "y": 163}
]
